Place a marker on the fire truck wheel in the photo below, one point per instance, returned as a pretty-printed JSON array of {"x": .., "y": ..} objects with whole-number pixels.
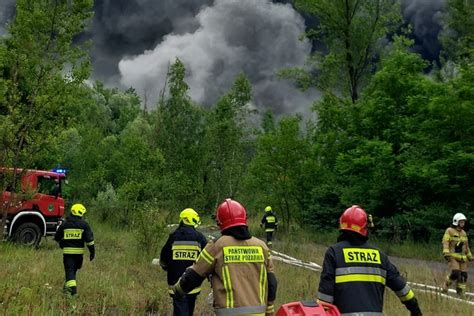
[{"x": 28, "y": 234}]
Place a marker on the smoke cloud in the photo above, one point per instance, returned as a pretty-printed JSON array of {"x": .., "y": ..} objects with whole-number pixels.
[
  {"x": 255, "y": 37},
  {"x": 7, "y": 8},
  {"x": 216, "y": 40},
  {"x": 126, "y": 28},
  {"x": 425, "y": 17}
]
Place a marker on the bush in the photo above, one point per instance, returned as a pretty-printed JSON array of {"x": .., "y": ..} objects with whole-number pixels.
[
  {"x": 107, "y": 205},
  {"x": 423, "y": 225},
  {"x": 149, "y": 228}
]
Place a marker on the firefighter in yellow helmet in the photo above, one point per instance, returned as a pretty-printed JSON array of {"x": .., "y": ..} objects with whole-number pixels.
[
  {"x": 242, "y": 280},
  {"x": 180, "y": 251},
  {"x": 355, "y": 273},
  {"x": 456, "y": 252},
  {"x": 72, "y": 235},
  {"x": 270, "y": 223}
]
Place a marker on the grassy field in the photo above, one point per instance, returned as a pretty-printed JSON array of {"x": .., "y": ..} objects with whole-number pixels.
[{"x": 121, "y": 281}]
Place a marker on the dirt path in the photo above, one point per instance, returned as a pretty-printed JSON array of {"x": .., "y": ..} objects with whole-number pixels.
[
  {"x": 439, "y": 270},
  {"x": 433, "y": 265}
]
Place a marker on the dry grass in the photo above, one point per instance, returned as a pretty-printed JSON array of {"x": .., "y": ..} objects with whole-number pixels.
[
  {"x": 121, "y": 281},
  {"x": 301, "y": 284}
]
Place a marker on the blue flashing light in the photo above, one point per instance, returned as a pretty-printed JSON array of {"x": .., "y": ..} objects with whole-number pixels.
[{"x": 59, "y": 170}]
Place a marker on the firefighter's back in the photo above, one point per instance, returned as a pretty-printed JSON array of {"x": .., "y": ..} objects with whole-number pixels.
[
  {"x": 185, "y": 244},
  {"x": 360, "y": 273},
  {"x": 75, "y": 231},
  {"x": 241, "y": 267}
]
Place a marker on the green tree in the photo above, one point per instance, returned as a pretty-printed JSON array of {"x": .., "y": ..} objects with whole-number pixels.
[
  {"x": 93, "y": 136},
  {"x": 441, "y": 167},
  {"x": 41, "y": 70},
  {"x": 134, "y": 168},
  {"x": 457, "y": 36},
  {"x": 275, "y": 172},
  {"x": 226, "y": 141},
  {"x": 268, "y": 122},
  {"x": 179, "y": 134},
  {"x": 379, "y": 130},
  {"x": 404, "y": 151},
  {"x": 351, "y": 31},
  {"x": 122, "y": 107}
]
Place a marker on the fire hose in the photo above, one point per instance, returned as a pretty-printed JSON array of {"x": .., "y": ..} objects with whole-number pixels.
[{"x": 425, "y": 288}]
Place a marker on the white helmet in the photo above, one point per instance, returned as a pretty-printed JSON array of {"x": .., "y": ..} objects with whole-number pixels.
[{"x": 458, "y": 217}]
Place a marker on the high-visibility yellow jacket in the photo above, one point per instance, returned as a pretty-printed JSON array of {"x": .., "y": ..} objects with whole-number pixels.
[{"x": 456, "y": 244}]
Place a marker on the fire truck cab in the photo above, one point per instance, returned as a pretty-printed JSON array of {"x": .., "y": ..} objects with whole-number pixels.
[{"x": 35, "y": 207}]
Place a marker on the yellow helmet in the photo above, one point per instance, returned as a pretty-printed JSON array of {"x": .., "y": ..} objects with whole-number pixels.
[
  {"x": 78, "y": 209},
  {"x": 268, "y": 209},
  {"x": 189, "y": 217}
]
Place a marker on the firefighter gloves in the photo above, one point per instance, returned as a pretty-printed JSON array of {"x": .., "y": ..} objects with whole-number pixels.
[
  {"x": 458, "y": 247},
  {"x": 177, "y": 290},
  {"x": 413, "y": 307}
]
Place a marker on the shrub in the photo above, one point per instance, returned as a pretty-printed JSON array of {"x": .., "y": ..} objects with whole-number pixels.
[
  {"x": 107, "y": 205},
  {"x": 149, "y": 228}
]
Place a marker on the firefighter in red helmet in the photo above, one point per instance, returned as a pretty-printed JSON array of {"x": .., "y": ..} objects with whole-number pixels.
[
  {"x": 235, "y": 254},
  {"x": 355, "y": 274}
]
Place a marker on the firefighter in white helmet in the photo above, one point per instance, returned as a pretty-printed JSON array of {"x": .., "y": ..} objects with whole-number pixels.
[{"x": 457, "y": 253}]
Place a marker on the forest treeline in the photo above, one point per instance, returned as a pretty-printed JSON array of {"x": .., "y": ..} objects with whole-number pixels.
[{"x": 391, "y": 132}]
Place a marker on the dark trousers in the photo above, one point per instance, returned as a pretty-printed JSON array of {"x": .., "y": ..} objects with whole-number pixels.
[
  {"x": 72, "y": 263},
  {"x": 269, "y": 238},
  {"x": 184, "y": 305}
]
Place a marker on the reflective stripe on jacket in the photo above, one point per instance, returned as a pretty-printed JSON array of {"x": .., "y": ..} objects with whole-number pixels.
[
  {"x": 456, "y": 244},
  {"x": 180, "y": 251},
  {"x": 354, "y": 279},
  {"x": 240, "y": 271},
  {"x": 270, "y": 221},
  {"x": 73, "y": 234}
]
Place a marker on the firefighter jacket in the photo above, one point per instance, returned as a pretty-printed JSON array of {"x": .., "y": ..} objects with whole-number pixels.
[
  {"x": 242, "y": 280},
  {"x": 73, "y": 234},
  {"x": 456, "y": 244},
  {"x": 180, "y": 251},
  {"x": 270, "y": 221},
  {"x": 354, "y": 279}
]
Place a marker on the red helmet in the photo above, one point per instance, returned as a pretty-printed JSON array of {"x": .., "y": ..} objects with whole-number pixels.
[
  {"x": 354, "y": 219},
  {"x": 230, "y": 213}
]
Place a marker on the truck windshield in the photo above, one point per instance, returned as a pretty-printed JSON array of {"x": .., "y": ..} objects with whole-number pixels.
[{"x": 49, "y": 186}]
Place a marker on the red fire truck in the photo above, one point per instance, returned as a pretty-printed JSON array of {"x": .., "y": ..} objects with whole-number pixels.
[{"x": 35, "y": 207}]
